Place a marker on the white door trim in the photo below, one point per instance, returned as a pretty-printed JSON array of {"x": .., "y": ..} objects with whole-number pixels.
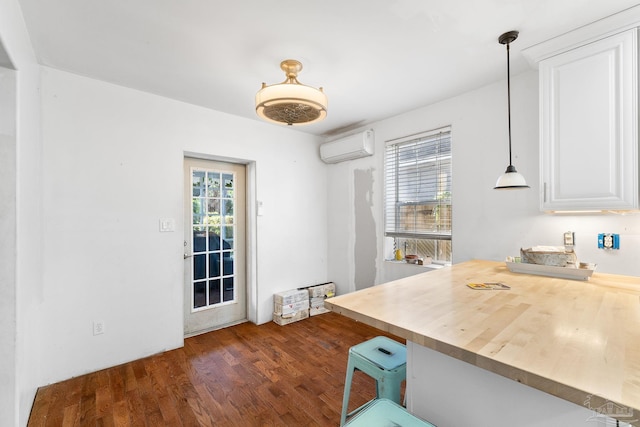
[{"x": 251, "y": 228}]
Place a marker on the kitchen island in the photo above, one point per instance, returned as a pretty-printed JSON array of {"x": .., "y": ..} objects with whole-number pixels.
[{"x": 546, "y": 352}]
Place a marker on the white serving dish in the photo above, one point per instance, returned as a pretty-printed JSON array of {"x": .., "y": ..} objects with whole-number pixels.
[{"x": 551, "y": 271}]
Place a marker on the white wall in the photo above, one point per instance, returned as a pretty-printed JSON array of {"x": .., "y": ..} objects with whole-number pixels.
[
  {"x": 30, "y": 236},
  {"x": 112, "y": 168},
  {"x": 8, "y": 253},
  {"x": 488, "y": 224},
  {"x": 20, "y": 252}
]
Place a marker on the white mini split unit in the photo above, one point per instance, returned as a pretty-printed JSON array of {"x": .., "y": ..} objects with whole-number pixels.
[{"x": 349, "y": 147}]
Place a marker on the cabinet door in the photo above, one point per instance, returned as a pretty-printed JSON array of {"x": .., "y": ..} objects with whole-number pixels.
[{"x": 589, "y": 141}]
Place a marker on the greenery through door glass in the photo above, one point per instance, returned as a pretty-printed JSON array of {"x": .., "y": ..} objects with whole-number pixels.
[{"x": 213, "y": 229}]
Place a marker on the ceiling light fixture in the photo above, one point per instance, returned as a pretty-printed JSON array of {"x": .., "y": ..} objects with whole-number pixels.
[
  {"x": 511, "y": 179},
  {"x": 291, "y": 102}
]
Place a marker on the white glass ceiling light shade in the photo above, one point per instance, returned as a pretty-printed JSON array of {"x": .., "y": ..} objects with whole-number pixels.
[
  {"x": 291, "y": 102},
  {"x": 511, "y": 179}
]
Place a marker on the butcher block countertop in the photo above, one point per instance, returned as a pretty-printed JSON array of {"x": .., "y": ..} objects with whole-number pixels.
[{"x": 577, "y": 340}]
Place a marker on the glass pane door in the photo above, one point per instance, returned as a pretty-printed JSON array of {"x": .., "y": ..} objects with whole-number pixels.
[
  {"x": 213, "y": 231},
  {"x": 215, "y": 273}
]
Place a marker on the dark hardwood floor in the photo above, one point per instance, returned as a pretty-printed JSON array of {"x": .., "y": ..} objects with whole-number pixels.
[{"x": 244, "y": 375}]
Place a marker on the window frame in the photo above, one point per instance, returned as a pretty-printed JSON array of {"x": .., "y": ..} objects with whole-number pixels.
[{"x": 433, "y": 139}]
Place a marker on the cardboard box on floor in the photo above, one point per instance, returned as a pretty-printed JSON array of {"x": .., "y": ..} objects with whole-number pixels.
[
  {"x": 290, "y": 306},
  {"x": 285, "y": 320},
  {"x": 314, "y": 311},
  {"x": 290, "y": 297},
  {"x": 298, "y": 304},
  {"x": 317, "y": 295},
  {"x": 288, "y": 309},
  {"x": 325, "y": 290}
]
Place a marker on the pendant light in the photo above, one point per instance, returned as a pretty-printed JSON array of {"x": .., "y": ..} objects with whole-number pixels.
[
  {"x": 511, "y": 179},
  {"x": 291, "y": 102}
]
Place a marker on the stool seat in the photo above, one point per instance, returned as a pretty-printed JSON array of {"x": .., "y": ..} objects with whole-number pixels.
[
  {"x": 384, "y": 413},
  {"x": 383, "y": 352},
  {"x": 383, "y": 359}
]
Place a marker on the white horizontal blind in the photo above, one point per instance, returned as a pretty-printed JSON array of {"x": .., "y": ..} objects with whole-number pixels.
[{"x": 418, "y": 186}]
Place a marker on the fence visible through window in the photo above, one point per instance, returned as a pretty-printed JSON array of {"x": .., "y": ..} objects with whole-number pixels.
[{"x": 418, "y": 208}]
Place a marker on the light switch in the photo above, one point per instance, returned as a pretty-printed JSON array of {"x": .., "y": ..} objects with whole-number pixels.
[
  {"x": 260, "y": 208},
  {"x": 568, "y": 238},
  {"x": 167, "y": 225}
]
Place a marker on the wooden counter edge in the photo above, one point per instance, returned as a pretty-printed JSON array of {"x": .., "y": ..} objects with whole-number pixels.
[{"x": 547, "y": 385}]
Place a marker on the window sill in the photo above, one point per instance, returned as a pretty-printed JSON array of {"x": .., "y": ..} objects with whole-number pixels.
[{"x": 432, "y": 266}]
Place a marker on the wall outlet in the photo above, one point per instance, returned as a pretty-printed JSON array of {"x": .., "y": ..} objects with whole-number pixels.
[
  {"x": 98, "y": 327},
  {"x": 608, "y": 241}
]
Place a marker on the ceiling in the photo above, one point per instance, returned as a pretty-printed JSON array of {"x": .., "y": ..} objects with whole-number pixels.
[{"x": 374, "y": 58}]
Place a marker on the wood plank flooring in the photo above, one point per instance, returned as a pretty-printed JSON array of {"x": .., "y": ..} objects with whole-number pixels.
[{"x": 244, "y": 375}]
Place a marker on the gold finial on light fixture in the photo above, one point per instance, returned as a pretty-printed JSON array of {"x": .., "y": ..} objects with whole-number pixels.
[{"x": 291, "y": 102}]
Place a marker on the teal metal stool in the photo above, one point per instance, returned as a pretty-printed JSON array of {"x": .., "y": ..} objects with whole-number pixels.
[
  {"x": 384, "y": 413},
  {"x": 383, "y": 359}
]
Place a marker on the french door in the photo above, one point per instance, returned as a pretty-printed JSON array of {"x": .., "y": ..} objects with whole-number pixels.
[{"x": 215, "y": 266}]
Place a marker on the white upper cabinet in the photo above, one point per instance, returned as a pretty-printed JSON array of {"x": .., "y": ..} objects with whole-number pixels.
[
  {"x": 589, "y": 121},
  {"x": 589, "y": 140}
]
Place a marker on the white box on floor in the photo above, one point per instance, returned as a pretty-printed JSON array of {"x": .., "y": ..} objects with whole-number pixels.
[
  {"x": 288, "y": 309},
  {"x": 316, "y": 302},
  {"x": 285, "y": 320},
  {"x": 290, "y": 297},
  {"x": 314, "y": 311},
  {"x": 326, "y": 290}
]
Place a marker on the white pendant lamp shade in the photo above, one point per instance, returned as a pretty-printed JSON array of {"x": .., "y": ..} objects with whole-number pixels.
[
  {"x": 511, "y": 179},
  {"x": 291, "y": 102}
]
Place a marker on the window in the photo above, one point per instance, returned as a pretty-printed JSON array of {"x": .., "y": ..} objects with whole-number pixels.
[
  {"x": 418, "y": 194},
  {"x": 213, "y": 229}
]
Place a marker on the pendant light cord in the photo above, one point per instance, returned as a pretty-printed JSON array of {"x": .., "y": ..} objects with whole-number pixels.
[
  {"x": 509, "y": 102},
  {"x": 511, "y": 178}
]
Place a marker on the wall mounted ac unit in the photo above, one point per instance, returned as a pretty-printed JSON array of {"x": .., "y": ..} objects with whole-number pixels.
[{"x": 347, "y": 148}]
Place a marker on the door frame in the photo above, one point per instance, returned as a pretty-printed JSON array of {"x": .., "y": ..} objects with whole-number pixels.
[{"x": 251, "y": 227}]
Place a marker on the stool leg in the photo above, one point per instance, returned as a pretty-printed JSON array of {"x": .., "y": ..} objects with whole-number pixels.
[
  {"x": 389, "y": 390},
  {"x": 347, "y": 391},
  {"x": 391, "y": 386}
]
